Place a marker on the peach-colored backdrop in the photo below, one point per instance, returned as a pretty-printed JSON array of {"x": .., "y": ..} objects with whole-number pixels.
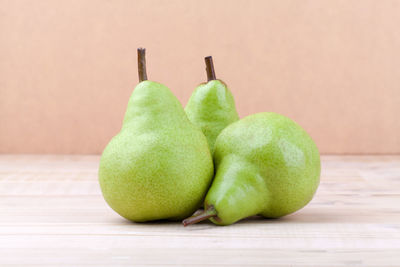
[{"x": 67, "y": 68}]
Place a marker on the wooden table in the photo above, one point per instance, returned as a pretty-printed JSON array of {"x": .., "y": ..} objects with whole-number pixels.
[{"x": 52, "y": 214}]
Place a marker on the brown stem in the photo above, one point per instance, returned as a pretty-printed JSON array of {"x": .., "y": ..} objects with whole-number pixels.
[
  {"x": 141, "y": 57},
  {"x": 210, "y": 68},
  {"x": 201, "y": 216}
]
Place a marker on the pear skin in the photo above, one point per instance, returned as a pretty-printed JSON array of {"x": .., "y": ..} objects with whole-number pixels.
[
  {"x": 159, "y": 165},
  {"x": 266, "y": 164},
  {"x": 211, "y": 106}
]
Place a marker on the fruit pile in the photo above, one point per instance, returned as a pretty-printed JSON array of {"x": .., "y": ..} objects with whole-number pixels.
[{"x": 166, "y": 162}]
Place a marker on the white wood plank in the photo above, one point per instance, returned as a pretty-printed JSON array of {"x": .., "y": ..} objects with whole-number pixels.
[{"x": 52, "y": 214}]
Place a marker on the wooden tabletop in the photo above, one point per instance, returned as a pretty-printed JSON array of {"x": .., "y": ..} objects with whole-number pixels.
[{"x": 52, "y": 214}]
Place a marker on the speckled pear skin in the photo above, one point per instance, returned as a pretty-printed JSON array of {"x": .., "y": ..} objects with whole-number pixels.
[
  {"x": 267, "y": 165},
  {"x": 212, "y": 108},
  {"x": 159, "y": 166}
]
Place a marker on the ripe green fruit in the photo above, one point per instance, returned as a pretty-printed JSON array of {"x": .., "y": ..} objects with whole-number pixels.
[
  {"x": 266, "y": 164},
  {"x": 159, "y": 166},
  {"x": 211, "y": 106}
]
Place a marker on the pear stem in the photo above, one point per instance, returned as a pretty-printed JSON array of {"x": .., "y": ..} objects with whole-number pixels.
[
  {"x": 210, "y": 68},
  {"x": 200, "y": 216},
  {"x": 141, "y": 52}
]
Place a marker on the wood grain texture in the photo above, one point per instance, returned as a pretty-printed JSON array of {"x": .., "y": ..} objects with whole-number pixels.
[{"x": 52, "y": 214}]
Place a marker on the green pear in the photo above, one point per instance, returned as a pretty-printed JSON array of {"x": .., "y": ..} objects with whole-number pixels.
[
  {"x": 266, "y": 165},
  {"x": 159, "y": 165},
  {"x": 211, "y": 106}
]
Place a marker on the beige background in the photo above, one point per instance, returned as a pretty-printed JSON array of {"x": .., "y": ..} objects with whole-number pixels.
[{"x": 67, "y": 68}]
